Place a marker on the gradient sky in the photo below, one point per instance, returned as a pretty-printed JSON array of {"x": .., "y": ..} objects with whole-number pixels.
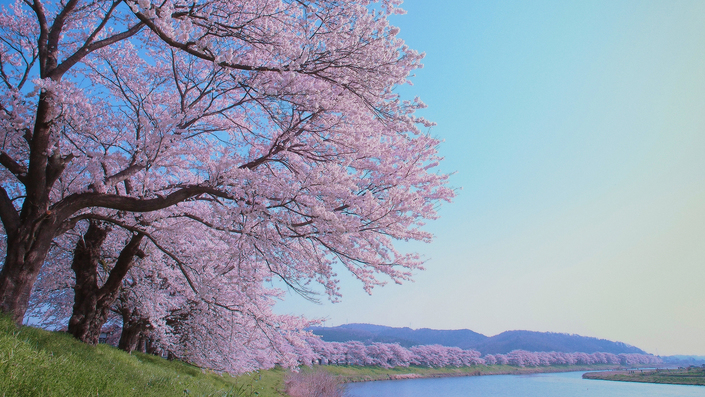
[{"x": 576, "y": 131}]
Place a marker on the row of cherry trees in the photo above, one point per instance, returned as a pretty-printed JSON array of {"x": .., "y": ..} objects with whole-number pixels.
[
  {"x": 226, "y": 327},
  {"x": 389, "y": 355},
  {"x": 164, "y": 163}
]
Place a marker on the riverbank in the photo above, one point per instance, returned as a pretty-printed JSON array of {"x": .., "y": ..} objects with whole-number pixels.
[
  {"x": 564, "y": 384},
  {"x": 35, "y": 362},
  {"x": 682, "y": 376},
  {"x": 350, "y": 374}
]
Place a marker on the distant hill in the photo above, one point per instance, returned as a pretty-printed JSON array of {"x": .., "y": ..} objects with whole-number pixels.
[
  {"x": 407, "y": 337},
  {"x": 550, "y": 341},
  {"x": 467, "y": 339},
  {"x": 682, "y": 360}
]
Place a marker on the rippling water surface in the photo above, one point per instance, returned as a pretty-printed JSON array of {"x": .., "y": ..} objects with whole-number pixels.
[{"x": 567, "y": 384}]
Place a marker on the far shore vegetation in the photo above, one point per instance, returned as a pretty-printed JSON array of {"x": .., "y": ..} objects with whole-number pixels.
[
  {"x": 349, "y": 373},
  {"x": 681, "y": 376}
]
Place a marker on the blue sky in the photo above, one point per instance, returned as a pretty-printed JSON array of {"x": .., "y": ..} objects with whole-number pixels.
[{"x": 576, "y": 131}]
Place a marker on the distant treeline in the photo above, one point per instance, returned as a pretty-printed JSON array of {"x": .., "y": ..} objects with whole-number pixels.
[{"x": 389, "y": 355}]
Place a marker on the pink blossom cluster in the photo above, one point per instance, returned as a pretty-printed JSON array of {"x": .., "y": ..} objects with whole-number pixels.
[{"x": 389, "y": 355}]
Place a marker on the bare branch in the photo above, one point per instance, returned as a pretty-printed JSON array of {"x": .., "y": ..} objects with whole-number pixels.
[{"x": 190, "y": 48}]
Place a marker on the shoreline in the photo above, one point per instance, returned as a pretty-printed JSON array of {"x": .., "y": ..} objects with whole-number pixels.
[
  {"x": 352, "y": 374},
  {"x": 692, "y": 376}
]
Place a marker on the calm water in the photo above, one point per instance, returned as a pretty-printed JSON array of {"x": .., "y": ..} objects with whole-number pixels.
[{"x": 567, "y": 384}]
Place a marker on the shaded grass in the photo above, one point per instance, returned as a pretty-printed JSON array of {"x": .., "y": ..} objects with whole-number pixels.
[{"x": 34, "y": 362}]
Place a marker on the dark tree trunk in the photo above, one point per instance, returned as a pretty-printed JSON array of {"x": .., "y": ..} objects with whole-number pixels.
[
  {"x": 151, "y": 347},
  {"x": 85, "y": 323},
  {"x": 91, "y": 303},
  {"x": 16, "y": 282},
  {"x": 129, "y": 338},
  {"x": 142, "y": 343},
  {"x": 30, "y": 232},
  {"x": 27, "y": 248},
  {"x": 134, "y": 328}
]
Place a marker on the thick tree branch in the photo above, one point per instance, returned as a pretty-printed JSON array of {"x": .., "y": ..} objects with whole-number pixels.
[
  {"x": 18, "y": 170},
  {"x": 89, "y": 47},
  {"x": 123, "y": 265},
  {"x": 123, "y": 175},
  {"x": 78, "y": 201},
  {"x": 8, "y": 213},
  {"x": 140, "y": 232},
  {"x": 55, "y": 36},
  {"x": 43, "y": 36},
  {"x": 55, "y": 167}
]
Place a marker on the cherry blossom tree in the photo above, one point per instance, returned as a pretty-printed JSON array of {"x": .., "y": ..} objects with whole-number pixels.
[
  {"x": 490, "y": 359},
  {"x": 92, "y": 302},
  {"x": 227, "y": 326},
  {"x": 392, "y": 355},
  {"x": 273, "y": 124}
]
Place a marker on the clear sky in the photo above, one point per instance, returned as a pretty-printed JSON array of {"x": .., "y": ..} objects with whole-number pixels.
[{"x": 576, "y": 131}]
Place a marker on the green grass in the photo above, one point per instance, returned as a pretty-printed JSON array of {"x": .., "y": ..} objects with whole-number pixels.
[{"x": 34, "y": 362}]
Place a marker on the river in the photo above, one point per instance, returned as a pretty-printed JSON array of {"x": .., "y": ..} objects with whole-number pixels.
[{"x": 566, "y": 384}]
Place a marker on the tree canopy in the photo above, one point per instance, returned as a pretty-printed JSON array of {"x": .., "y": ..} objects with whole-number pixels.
[{"x": 188, "y": 152}]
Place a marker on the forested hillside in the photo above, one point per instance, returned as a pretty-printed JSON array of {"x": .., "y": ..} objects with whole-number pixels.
[{"x": 467, "y": 339}]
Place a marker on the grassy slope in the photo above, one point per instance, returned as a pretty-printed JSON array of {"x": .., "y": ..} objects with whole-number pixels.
[
  {"x": 692, "y": 376},
  {"x": 34, "y": 362}
]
